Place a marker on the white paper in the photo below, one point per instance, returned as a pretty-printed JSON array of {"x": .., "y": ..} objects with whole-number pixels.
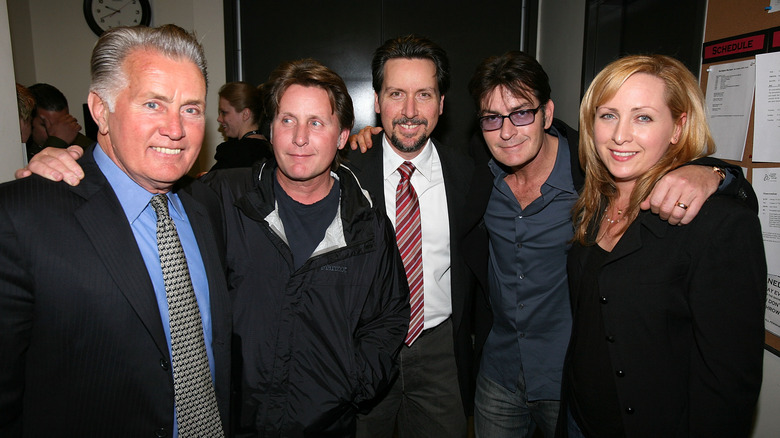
[
  {"x": 774, "y": 6},
  {"x": 729, "y": 98},
  {"x": 772, "y": 314},
  {"x": 766, "y": 129},
  {"x": 766, "y": 183}
]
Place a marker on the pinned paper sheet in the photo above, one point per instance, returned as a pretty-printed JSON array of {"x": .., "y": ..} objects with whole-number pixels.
[
  {"x": 766, "y": 129},
  {"x": 766, "y": 183},
  {"x": 729, "y": 99}
]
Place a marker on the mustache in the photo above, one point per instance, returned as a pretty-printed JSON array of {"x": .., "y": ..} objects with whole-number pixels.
[{"x": 408, "y": 121}]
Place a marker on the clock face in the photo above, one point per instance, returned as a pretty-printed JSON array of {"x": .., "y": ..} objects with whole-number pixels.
[{"x": 106, "y": 14}]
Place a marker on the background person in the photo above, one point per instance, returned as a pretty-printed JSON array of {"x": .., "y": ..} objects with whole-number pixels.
[
  {"x": 25, "y": 103},
  {"x": 52, "y": 123},
  {"x": 240, "y": 110},
  {"x": 668, "y": 331}
]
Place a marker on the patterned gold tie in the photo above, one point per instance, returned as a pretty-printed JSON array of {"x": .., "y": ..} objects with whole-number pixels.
[{"x": 196, "y": 403}]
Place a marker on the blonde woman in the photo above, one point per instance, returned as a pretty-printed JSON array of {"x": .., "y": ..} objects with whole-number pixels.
[{"x": 668, "y": 320}]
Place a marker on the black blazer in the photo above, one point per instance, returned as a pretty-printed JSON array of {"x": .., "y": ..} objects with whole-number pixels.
[
  {"x": 457, "y": 169},
  {"x": 82, "y": 347},
  {"x": 683, "y": 313}
]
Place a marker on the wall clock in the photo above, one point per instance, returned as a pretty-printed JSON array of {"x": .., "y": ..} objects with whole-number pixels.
[{"x": 102, "y": 15}]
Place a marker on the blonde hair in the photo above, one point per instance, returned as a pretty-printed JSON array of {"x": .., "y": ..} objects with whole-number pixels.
[{"x": 682, "y": 95}]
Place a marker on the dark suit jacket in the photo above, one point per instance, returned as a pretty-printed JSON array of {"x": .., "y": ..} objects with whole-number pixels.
[
  {"x": 683, "y": 311},
  {"x": 457, "y": 169},
  {"x": 82, "y": 347}
]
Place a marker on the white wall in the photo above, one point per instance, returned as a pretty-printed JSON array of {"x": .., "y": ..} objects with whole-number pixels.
[
  {"x": 52, "y": 43},
  {"x": 767, "y": 418},
  {"x": 11, "y": 155}
]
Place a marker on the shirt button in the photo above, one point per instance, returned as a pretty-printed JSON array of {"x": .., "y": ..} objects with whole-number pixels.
[
  {"x": 519, "y": 245},
  {"x": 521, "y": 306},
  {"x": 522, "y": 335},
  {"x": 603, "y": 300},
  {"x": 161, "y": 433},
  {"x": 630, "y": 410},
  {"x": 610, "y": 338},
  {"x": 620, "y": 373},
  {"x": 164, "y": 364},
  {"x": 521, "y": 276}
]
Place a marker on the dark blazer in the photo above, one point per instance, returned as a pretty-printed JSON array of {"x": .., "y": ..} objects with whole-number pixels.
[
  {"x": 683, "y": 314},
  {"x": 82, "y": 347},
  {"x": 457, "y": 169}
]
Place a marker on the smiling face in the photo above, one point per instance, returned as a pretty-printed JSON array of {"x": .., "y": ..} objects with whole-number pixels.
[
  {"x": 306, "y": 135},
  {"x": 516, "y": 146},
  {"x": 635, "y": 128},
  {"x": 156, "y": 129},
  {"x": 409, "y": 104},
  {"x": 230, "y": 120}
]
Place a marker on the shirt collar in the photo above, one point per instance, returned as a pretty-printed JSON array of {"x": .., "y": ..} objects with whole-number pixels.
[
  {"x": 560, "y": 176},
  {"x": 423, "y": 162},
  {"x": 132, "y": 197}
]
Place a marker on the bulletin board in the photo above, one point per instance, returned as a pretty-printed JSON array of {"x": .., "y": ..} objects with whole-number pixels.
[{"x": 736, "y": 31}]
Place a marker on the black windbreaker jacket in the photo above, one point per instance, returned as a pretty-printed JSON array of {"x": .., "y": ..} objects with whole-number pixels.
[{"x": 310, "y": 345}]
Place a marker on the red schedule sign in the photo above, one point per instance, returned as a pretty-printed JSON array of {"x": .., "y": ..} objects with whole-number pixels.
[{"x": 735, "y": 47}]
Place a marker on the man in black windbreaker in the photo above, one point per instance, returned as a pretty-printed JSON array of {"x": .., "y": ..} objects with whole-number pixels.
[{"x": 321, "y": 303}]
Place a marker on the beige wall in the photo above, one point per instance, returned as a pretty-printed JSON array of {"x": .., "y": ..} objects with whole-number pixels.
[{"x": 52, "y": 43}]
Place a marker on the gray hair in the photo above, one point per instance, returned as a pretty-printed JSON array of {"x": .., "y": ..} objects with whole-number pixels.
[{"x": 111, "y": 50}]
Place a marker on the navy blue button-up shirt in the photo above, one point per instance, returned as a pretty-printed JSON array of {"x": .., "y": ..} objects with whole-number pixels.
[{"x": 529, "y": 293}]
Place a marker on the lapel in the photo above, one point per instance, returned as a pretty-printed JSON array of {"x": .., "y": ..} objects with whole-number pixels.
[
  {"x": 102, "y": 218},
  {"x": 205, "y": 231},
  {"x": 456, "y": 178},
  {"x": 368, "y": 169},
  {"x": 631, "y": 241}
]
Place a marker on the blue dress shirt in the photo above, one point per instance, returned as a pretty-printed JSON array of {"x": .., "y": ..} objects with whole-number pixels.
[
  {"x": 143, "y": 221},
  {"x": 529, "y": 292}
]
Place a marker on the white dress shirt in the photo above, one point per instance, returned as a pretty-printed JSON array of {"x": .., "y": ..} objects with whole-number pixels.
[{"x": 428, "y": 182}]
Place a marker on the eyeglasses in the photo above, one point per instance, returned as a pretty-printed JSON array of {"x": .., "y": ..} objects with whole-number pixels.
[{"x": 521, "y": 117}]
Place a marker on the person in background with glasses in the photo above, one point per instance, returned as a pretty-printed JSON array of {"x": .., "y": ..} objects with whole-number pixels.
[{"x": 520, "y": 232}]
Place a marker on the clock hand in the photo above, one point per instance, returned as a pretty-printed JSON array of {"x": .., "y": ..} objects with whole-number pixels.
[{"x": 116, "y": 11}]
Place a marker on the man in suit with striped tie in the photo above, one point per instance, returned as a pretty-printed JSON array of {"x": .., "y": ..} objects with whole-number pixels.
[{"x": 420, "y": 182}]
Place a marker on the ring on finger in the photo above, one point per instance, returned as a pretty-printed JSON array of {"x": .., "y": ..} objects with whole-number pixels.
[{"x": 681, "y": 205}]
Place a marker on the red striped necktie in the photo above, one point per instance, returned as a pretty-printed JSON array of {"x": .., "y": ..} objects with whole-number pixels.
[{"x": 408, "y": 232}]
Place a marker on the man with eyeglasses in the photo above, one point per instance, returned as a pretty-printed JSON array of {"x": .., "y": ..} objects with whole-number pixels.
[{"x": 524, "y": 187}]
